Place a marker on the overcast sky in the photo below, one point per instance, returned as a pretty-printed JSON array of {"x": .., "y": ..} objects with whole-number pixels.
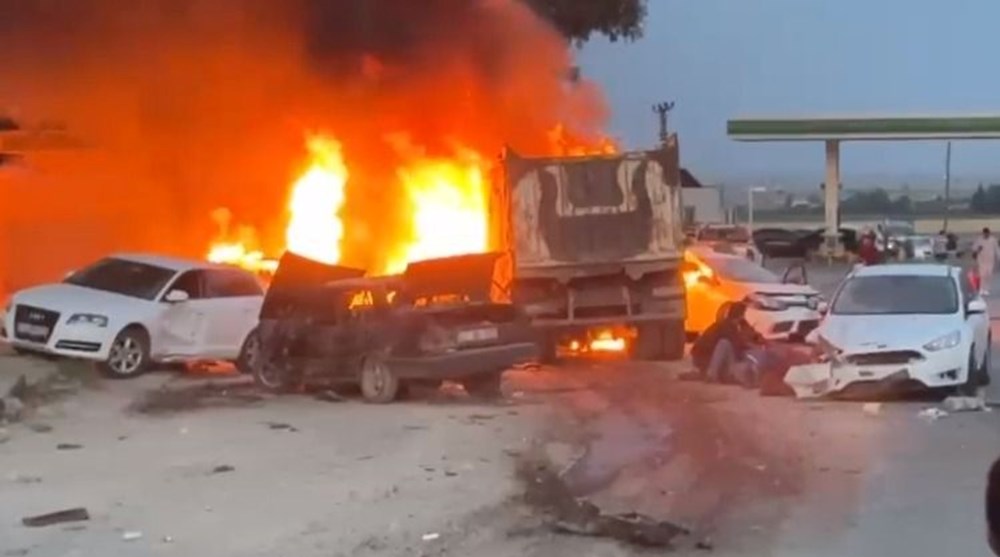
[{"x": 724, "y": 58}]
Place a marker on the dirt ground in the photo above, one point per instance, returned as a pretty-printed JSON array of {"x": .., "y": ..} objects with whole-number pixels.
[{"x": 206, "y": 465}]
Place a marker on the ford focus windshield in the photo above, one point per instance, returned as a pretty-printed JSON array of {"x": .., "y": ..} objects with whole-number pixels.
[
  {"x": 900, "y": 294},
  {"x": 129, "y": 278}
]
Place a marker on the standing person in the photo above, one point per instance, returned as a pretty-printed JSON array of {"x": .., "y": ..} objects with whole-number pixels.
[
  {"x": 867, "y": 249},
  {"x": 940, "y": 246},
  {"x": 986, "y": 250}
]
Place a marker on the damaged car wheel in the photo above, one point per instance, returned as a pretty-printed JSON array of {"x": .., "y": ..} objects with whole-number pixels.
[
  {"x": 379, "y": 384},
  {"x": 246, "y": 362},
  {"x": 270, "y": 375}
]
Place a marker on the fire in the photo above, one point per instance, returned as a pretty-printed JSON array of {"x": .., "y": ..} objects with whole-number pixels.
[
  {"x": 446, "y": 197},
  {"x": 237, "y": 254},
  {"x": 449, "y": 209},
  {"x": 315, "y": 229}
]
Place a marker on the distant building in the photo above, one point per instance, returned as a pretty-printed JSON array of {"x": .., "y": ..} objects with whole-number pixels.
[{"x": 702, "y": 204}]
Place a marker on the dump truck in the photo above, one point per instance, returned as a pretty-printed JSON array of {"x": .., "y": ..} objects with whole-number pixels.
[{"x": 595, "y": 244}]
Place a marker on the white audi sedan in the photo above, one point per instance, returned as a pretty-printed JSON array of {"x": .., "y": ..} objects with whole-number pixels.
[
  {"x": 914, "y": 322},
  {"x": 131, "y": 310}
]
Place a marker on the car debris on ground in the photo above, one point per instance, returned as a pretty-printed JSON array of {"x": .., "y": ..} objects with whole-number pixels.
[{"x": 77, "y": 514}]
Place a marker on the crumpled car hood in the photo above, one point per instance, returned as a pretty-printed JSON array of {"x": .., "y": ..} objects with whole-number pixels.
[{"x": 872, "y": 333}]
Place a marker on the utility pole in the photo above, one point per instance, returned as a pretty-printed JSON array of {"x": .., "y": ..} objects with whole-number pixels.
[
  {"x": 947, "y": 184},
  {"x": 663, "y": 111}
]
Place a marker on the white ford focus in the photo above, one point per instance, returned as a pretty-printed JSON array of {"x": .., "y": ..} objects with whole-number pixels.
[
  {"x": 917, "y": 322},
  {"x": 128, "y": 311}
]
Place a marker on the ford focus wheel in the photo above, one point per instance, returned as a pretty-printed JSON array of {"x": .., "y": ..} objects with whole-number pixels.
[
  {"x": 378, "y": 383},
  {"x": 129, "y": 354}
]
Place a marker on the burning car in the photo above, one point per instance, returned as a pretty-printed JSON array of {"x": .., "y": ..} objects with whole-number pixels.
[{"x": 442, "y": 319}]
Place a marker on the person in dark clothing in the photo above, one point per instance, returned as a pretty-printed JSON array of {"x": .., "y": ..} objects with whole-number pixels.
[
  {"x": 993, "y": 507},
  {"x": 720, "y": 353}
]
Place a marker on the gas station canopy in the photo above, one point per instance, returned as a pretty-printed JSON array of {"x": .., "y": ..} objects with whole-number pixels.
[
  {"x": 856, "y": 128},
  {"x": 832, "y": 130}
]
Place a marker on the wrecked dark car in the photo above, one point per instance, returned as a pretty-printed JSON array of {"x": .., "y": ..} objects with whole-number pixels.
[{"x": 442, "y": 319}]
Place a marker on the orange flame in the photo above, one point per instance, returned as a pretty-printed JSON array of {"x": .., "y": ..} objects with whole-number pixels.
[
  {"x": 315, "y": 229},
  {"x": 447, "y": 197},
  {"x": 449, "y": 210}
]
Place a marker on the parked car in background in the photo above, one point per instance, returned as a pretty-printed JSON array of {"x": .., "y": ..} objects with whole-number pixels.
[
  {"x": 778, "y": 308},
  {"x": 729, "y": 238},
  {"x": 920, "y": 248},
  {"x": 923, "y": 324},
  {"x": 128, "y": 311}
]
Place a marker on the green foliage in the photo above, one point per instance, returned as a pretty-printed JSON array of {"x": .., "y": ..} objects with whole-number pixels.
[{"x": 579, "y": 19}]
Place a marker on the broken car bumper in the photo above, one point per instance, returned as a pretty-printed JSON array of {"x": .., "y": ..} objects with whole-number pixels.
[{"x": 945, "y": 368}]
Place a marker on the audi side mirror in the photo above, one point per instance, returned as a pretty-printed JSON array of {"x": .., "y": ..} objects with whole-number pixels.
[{"x": 176, "y": 297}]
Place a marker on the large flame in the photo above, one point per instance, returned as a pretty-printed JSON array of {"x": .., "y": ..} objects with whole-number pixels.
[
  {"x": 446, "y": 205},
  {"x": 315, "y": 229},
  {"x": 448, "y": 208}
]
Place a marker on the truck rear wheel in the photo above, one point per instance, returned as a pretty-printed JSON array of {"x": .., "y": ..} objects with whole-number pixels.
[{"x": 660, "y": 341}]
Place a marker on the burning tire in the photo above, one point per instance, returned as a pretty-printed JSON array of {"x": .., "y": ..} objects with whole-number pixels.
[
  {"x": 379, "y": 385},
  {"x": 485, "y": 386},
  {"x": 129, "y": 354}
]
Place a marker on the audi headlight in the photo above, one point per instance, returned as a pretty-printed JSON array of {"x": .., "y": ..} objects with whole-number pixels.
[
  {"x": 765, "y": 303},
  {"x": 944, "y": 342},
  {"x": 88, "y": 319}
]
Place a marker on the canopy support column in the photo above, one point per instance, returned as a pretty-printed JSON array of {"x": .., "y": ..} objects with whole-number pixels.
[{"x": 832, "y": 195}]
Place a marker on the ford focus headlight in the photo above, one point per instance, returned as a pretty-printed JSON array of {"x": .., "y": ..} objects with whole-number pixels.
[
  {"x": 944, "y": 342},
  {"x": 88, "y": 319}
]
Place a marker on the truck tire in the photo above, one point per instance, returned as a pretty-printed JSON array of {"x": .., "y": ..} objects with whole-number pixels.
[
  {"x": 649, "y": 344},
  {"x": 660, "y": 341}
]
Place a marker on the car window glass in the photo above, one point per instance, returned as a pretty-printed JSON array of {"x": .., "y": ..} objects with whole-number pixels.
[
  {"x": 190, "y": 282},
  {"x": 738, "y": 269},
  {"x": 230, "y": 284},
  {"x": 122, "y": 276}
]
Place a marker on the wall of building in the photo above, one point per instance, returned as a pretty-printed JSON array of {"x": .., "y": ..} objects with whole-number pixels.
[{"x": 703, "y": 204}]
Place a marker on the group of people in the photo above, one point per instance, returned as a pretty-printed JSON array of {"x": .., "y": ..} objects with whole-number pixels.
[{"x": 730, "y": 350}]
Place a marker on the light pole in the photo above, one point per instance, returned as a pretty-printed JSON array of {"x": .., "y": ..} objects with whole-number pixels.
[{"x": 750, "y": 192}]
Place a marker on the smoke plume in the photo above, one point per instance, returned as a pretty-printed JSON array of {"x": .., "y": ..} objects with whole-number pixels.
[{"x": 189, "y": 105}]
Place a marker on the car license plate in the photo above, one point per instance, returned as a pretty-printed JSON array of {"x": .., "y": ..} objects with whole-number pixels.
[
  {"x": 32, "y": 330},
  {"x": 479, "y": 335}
]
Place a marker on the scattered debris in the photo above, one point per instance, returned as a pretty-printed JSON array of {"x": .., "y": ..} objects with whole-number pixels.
[
  {"x": 872, "y": 408},
  {"x": 68, "y": 446},
  {"x": 932, "y": 414},
  {"x": 222, "y": 469},
  {"x": 450, "y": 474},
  {"x": 77, "y": 514},
  {"x": 26, "y": 479},
  {"x": 280, "y": 426},
  {"x": 168, "y": 539},
  {"x": 964, "y": 404},
  {"x": 132, "y": 535},
  {"x": 430, "y": 537},
  {"x": 39, "y": 427},
  {"x": 547, "y": 491},
  {"x": 810, "y": 380},
  {"x": 329, "y": 395},
  {"x": 704, "y": 544}
]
